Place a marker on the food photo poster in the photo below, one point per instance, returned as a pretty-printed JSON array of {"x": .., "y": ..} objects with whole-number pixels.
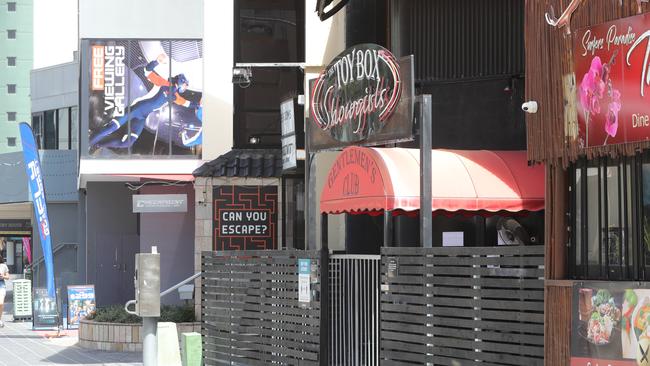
[{"x": 610, "y": 324}]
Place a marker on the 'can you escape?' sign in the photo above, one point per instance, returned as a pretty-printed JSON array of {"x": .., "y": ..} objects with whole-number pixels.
[{"x": 245, "y": 217}]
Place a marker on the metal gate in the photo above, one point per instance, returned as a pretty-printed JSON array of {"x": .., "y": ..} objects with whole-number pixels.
[{"x": 354, "y": 282}]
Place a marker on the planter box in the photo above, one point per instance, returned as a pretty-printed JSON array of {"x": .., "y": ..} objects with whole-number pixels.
[{"x": 119, "y": 337}]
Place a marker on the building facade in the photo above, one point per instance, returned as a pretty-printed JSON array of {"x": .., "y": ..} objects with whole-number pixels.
[
  {"x": 16, "y": 58},
  {"x": 596, "y": 161}
]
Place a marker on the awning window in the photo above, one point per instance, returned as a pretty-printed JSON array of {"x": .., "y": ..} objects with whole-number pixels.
[{"x": 372, "y": 179}]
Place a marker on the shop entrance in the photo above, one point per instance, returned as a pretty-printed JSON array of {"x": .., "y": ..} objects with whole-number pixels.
[
  {"x": 16, "y": 244},
  {"x": 115, "y": 267},
  {"x": 16, "y": 250}
]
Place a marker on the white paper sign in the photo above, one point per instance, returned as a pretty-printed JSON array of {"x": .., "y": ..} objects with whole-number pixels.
[{"x": 452, "y": 239}]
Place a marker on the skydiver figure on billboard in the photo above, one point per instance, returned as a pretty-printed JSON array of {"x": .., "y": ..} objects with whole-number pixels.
[{"x": 164, "y": 91}]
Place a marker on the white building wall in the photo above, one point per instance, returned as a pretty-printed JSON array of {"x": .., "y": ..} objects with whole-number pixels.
[
  {"x": 218, "y": 49},
  {"x": 56, "y": 35},
  {"x": 140, "y": 19}
]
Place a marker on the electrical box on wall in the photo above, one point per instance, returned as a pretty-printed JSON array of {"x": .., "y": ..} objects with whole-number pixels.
[{"x": 147, "y": 284}]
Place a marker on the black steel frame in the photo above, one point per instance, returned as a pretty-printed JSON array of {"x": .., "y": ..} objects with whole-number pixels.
[{"x": 632, "y": 259}]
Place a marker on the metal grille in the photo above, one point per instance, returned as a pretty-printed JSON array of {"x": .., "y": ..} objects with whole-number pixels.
[
  {"x": 456, "y": 39},
  {"x": 354, "y": 309}
]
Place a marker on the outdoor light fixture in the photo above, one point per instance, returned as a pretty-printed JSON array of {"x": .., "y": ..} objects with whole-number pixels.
[
  {"x": 241, "y": 75},
  {"x": 254, "y": 140}
]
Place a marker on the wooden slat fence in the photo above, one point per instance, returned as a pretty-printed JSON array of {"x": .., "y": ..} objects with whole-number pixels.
[
  {"x": 463, "y": 306},
  {"x": 250, "y": 309},
  {"x": 406, "y": 307}
]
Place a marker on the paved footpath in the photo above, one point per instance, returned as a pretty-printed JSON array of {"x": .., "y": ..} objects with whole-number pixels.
[{"x": 19, "y": 346}]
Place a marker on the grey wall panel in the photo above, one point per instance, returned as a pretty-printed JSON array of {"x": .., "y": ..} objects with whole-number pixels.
[
  {"x": 68, "y": 262},
  {"x": 59, "y": 169},
  {"x": 111, "y": 236},
  {"x": 13, "y": 181},
  {"x": 55, "y": 87},
  {"x": 173, "y": 233},
  {"x": 60, "y": 175}
]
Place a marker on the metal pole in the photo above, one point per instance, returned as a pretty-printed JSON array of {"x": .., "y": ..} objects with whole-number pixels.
[
  {"x": 388, "y": 228},
  {"x": 424, "y": 120},
  {"x": 149, "y": 344},
  {"x": 149, "y": 335}
]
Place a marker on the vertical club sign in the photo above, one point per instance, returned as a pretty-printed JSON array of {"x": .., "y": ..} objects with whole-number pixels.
[{"x": 354, "y": 97}]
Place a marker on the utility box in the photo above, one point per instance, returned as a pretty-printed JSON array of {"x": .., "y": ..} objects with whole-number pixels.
[
  {"x": 147, "y": 284},
  {"x": 22, "y": 299}
]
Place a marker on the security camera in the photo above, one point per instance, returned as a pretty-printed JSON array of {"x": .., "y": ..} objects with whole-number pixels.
[{"x": 529, "y": 107}]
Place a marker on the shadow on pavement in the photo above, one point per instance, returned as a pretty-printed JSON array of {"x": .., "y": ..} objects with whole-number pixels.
[{"x": 74, "y": 355}]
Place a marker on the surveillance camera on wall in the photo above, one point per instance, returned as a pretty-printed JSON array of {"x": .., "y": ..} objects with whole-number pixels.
[{"x": 529, "y": 107}]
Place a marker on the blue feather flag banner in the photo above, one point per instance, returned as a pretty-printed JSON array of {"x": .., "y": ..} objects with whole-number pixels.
[{"x": 35, "y": 178}]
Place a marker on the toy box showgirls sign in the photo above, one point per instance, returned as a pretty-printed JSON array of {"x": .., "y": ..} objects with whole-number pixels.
[
  {"x": 613, "y": 81},
  {"x": 362, "y": 97}
]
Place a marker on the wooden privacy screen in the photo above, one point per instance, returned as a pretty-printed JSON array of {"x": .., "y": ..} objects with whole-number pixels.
[
  {"x": 463, "y": 305},
  {"x": 550, "y": 79},
  {"x": 558, "y": 324},
  {"x": 250, "y": 309}
]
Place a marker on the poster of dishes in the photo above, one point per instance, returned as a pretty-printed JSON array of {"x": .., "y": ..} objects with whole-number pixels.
[{"x": 610, "y": 324}]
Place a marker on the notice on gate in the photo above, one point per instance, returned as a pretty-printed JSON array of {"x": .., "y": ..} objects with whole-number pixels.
[{"x": 304, "y": 289}]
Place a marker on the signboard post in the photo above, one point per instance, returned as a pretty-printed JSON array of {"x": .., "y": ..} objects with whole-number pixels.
[
  {"x": 613, "y": 88},
  {"x": 364, "y": 97}
]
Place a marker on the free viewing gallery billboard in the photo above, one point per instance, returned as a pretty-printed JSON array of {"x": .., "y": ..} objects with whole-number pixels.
[
  {"x": 142, "y": 97},
  {"x": 613, "y": 83}
]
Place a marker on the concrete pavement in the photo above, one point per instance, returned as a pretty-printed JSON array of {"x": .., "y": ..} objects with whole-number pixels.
[{"x": 19, "y": 346}]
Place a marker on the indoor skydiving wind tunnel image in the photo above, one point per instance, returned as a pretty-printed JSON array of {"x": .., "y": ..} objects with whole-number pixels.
[{"x": 145, "y": 97}]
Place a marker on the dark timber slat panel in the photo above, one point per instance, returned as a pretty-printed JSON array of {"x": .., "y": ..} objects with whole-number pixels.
[
  {"x": 250, "y": 309},
  {"x": 463, "y": 306}
]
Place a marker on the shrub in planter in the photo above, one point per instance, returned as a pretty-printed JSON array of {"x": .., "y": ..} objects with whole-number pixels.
[{"x": 168, "y": 313}]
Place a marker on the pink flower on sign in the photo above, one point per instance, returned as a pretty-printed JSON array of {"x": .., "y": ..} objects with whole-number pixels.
[
  {"x": 592, "y": 87},
  {"x": 596, "y": 85},
  {"x": 611, "y": 120}
]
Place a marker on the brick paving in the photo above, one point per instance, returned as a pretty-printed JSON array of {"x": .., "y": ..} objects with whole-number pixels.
[{"x": 19, "y": 346}]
